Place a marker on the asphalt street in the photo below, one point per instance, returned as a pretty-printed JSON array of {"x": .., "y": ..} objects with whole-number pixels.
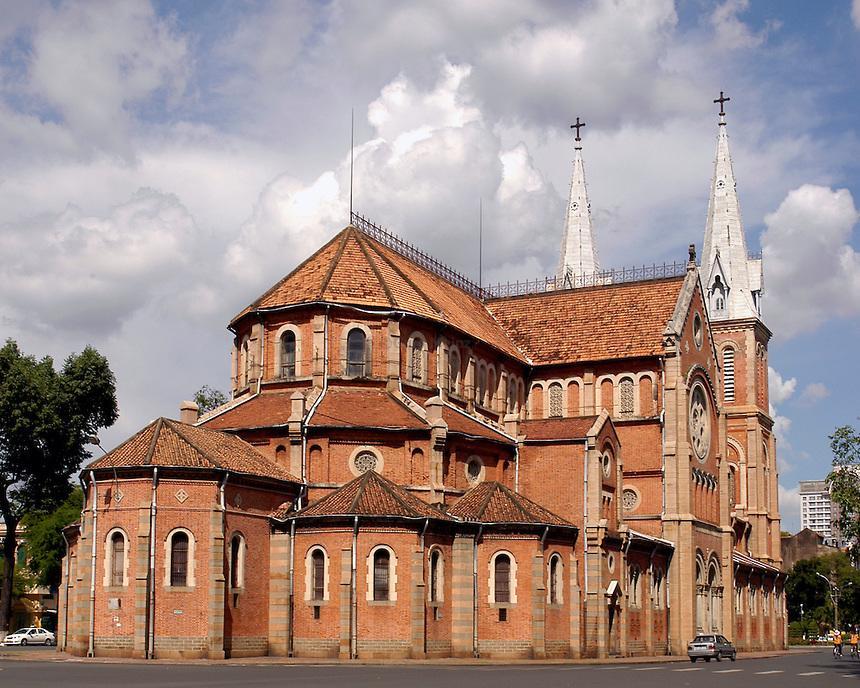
[{"x": 800, "y": 670}]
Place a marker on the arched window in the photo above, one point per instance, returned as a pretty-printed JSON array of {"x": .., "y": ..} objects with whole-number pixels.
[
  {"x": 480, "y": 384},
  {"x": 179, "y": 559},
  {"x": 491, "y": 388},
  {"x": 502, "y": 582},
  {"x": 512, "y": 395},
  {"x": 453, "y": 371},
  {"x": 381, "y": 578},
  {"x": 117, "y": 559},
  {"x": 356, "y": 353},
  {"x": 626, "y": 397},
  {"x": 728, "y": 374},
  {"x": 635, "y": 589},
  {"x": 555, "y": 580},
  {"x": 317, "y": 574},
  {"x": 237, "y": 562},
  {"x": 436, "y": 576},
  {"x": 416, "y": 362},
  {"x": 288, "y": 355},
  {"x": 246, "y": 362},
  {"x": 556, "y": 400},
  {"x": 657, "y": 585}
]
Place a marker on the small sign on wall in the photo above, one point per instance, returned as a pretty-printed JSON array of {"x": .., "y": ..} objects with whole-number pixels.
[
  {"x": 178, "y": 612},
  {"x": 114, "y": 603}
]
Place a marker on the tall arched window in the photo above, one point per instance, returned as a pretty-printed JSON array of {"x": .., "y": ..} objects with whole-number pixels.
[
  {"x": 728, "y": 374},
  {"x": 626, "y": 397},
  {"x": 657, "y": 585},
  {"x": 117, "y": 561},
  {"x": 491, "y": 388},
  {"x": 288, "y": 354},
  {"x": 453, "y": 371},
  {"x": 416, "y": 363},
  {"x": 435, "y": 576},
  {"x": 556, "y": 400},
  {"x": 246, "y": 361},
  {"x": 179, "y": 559},
  {"x": 237, "y": 562},
  {"x": 317, "y": 575},
  {"x": 356, "y": 353},
  {"x": 381, "y": 580},
  {"x": 555, "y": 579},
  {"x": 635, "y": 591},
  {"x": 502, "y": 582}
]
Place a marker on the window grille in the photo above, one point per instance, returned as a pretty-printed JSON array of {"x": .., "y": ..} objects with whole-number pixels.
[
  {"x": 117, "y": 570},
  {"x": 381, "y": 561},
  {"x": 417, "y": 363},
  {"x": 556, "y": 405},
  {"x": 318, "y": 575},
  {"x": 625, "y": 393},
  {"x": 729, "y": 375},
  {"x": 356, "y": 353},
  {"x": 179, "y": 560},
  {"x": 503, "y": 578},
  {"x": 288, "y": 355},
  {"x": 365, "y": 461}
]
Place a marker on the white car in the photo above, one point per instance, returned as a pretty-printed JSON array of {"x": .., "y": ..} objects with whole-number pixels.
[{"x": 30, "y": 636}]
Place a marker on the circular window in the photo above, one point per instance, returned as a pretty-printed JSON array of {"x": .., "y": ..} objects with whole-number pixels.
[
  {"x": 629, "y": 499},
  {"x": 610, "y": 563},
  {"x": 697, "y": 331},
  {"x": 607, "y": 464},
  {"x": 574, "y": 205},
  {"x": 365, "y": 459},
  {"x": 721, "y": 183},
  {"x": 700, "y": 422},
  {"x": 474, "y": 470}
]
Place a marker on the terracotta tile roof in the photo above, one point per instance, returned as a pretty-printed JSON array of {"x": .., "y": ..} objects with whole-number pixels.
[
  {"x": 367, "y": 495},
  {"x": 353, "y": 268},
  {"x": 261, "y": 411},
  {"x": 462, "y": 424},
  {"x": 363, "y": 407},
  {"x": 557, "y": 428},
  {"x": 492, "y": 502},
  {"x": 169, "y": 443},
  {"x": 591, "y": 323}
]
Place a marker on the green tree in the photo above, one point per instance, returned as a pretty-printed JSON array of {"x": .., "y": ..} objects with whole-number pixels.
[
  {"x": 208, "y": 398},
  {"x": 46, "y": 418},
  {"x": 805, "y": 586},
  {"x": 45, "y": 544},
  {"x": 844, "y": 483}
]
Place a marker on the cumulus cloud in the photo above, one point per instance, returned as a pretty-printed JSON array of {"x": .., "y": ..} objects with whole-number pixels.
[
  {"x": 780, "y": 390},
  {"x": 813, "y": 273},
  {"x": 789, "y": 507},
  {"x": 814, "y": 392},
  {"x": 731, "y": 31},
  {"x": 855, "y": 13}
]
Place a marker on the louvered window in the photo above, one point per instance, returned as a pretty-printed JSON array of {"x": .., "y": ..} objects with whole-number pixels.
[
  {"x": 318, "y": 573},
  {"x": 179, "y": 560},
  {"x": 503, "y": 578},
  {"x": 729, "y": 375},
  {"x": 117, "y": 569},
  {"x": 381, "y": 563}
]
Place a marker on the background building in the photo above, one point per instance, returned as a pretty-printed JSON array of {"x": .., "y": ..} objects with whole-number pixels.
[{"x": 817, "y": 512}]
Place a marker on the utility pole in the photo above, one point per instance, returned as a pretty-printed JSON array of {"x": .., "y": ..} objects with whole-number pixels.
[{"x": 835, "y": 594}]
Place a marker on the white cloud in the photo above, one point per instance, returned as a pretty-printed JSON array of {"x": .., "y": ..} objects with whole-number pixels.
[
  {"x": 730, "y": 30},
  {"x": 789, "y": 507},
  {"x": 814, "y": 392},
  {"x": 780, "y": 390},
  {"x": 855, "y": 13},
  {"x": 812, "y": 271}
]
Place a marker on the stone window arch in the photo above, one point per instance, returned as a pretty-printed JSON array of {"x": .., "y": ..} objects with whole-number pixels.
[
  {"x": 475, "y": 470},
  {"x": 605, "y": 387},
  {"x": 382, "y": 575},
  {"x": 179, "y": 559},
  {"x": 555, "y": 400},
  {"x": 245, "y": 361},
  {"x": 634, "y": 576},
  {"x": 116, "y": 558},
  {"x": 436, "y": 582},
  {"x": 699, "y": 420},
  {"x": 481, "y": 383},
  {"x": 357, "y": 350},
  {"x": 729, "y": 374},
  {"x": 417, "y": 350},
  {"x": 657, "y": 586},
  {"x": 316, "y": 574},
  {"x": 536, "y": 401},
  {"x": 288, "y": 352},
  {"x": 555, "y": 580},
  {"x": 454, "y": 370},
  {"x": 574, "y": 397},
  {"x": 626, "y": 397},
  {"x": 365, "y": 458},
  {"x": 513, "y": 390},
  {"x": 492, "y": 384},
  {"x": 237, "y": 561},
  {"x": 503, "y": 578},
  {"x": 718, "y": 295}
]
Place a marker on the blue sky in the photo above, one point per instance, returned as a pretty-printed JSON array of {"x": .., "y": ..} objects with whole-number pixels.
[{"x": 161, "y": 164}]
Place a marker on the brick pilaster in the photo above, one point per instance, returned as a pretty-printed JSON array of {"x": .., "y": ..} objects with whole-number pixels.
[
  {"x": 462, "y": 599},
  {"x": 538, "y": 595},
  {"x": 279, "y": 594}
]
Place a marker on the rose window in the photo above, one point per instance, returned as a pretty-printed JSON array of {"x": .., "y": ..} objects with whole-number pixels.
[
  {"x": 629, "y": 499},
  {"x": 700, "y": 423},
  {"x": 365, "y": 461}
]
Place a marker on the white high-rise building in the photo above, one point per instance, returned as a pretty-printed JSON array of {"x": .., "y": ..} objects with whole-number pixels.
[{"x": 816, "y": 510}]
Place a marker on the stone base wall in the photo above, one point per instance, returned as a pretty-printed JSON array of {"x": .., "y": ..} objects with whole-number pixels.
[
  {"x": 113, "y": 646},
  {"x": 557, "y": 649},
  {"x": 636, "y": 648},
  {"x": 384, "y": 649},
  {"x": 316, "y": 647},
  {"x": 249, "y": 646},
  {"x": 439, "y": 648},
  {"x": 513, "y": 649},
  {"x": 167, "y": 647}
]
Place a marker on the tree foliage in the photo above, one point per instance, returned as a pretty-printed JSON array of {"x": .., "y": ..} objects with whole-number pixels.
[
  {"x": 44, "y": 536},
  {"x": 844, "y": 483},
  {"x": 46, "y": 418},
  {"x": 208, "y": 398},
  {"x": 804, "y": 587}
]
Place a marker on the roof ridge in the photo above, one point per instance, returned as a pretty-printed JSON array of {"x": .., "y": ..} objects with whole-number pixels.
[
  {"x": 360, "y": 239},
  {"x": 519, "y": 503},
  {"x": 405, "y": 403},
  {"x": 159, "y": 424},
  {"x": 120, "y": 445},
  {"x": 485, "y": 501},
  {"x": 172, "y": 424},
  {"x": 335, "y": 261},
  {"x": 387, "y": 486},
  {"x": 361, "y": 483},
  {"x": 403, "y": 275}
]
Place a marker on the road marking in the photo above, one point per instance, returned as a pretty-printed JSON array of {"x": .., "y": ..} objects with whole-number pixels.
[
  {"x": 727, "y": 671},
  {"x": 647, "y": 668},
  {"x": 612, "y": 668},
  {"x": 689, "y": 669},
  {"x": 772, "y": 671},
  {"x": 811, "y": 673}
]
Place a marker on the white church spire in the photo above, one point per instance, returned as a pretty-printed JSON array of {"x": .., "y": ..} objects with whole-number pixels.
[
  {"x": 731, "y": 277},
  {"x": 578, "y": 252}
]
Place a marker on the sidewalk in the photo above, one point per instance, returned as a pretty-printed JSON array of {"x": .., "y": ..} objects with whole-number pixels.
[{"x": 48, "y": 656}]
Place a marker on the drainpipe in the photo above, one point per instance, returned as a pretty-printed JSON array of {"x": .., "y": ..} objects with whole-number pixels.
[
  {"x": 262, "y": 353},
  {"x": 66, "y": 600},
  {"x": 149, "y": 650},
  {"x": 311, "y": 411},
  {"x": 291, "y": 606},
  {"x": 585, "y": 523},
  {"x": 475, "y": 652},
  {"x": 516, "y": 468},
  {"x": 424, "y": 601},
  {"x": 353, "y": 631},
  {"x": 663, "y": 431},
  {"x": 222, "y": 503},
  {"x": 94, "y": 548}
]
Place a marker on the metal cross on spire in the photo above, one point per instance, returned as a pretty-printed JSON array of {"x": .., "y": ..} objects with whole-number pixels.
[
  {"x": 577, "y": 126},
  {"x": 722, "y": 100}
]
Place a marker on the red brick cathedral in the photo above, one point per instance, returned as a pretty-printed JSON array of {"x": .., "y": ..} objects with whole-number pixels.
[{"x": 414, "y": 466}]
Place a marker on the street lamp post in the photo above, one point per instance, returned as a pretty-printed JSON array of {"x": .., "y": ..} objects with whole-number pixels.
[{"x": 835, "y": 594}]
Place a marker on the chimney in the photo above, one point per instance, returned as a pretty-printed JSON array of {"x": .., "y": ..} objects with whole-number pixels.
[{"x": 189, "y": 412}]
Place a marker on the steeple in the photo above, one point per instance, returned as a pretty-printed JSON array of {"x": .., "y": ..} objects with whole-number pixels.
[
  {"x": 578, "y": 252},
  {"x": 732, "y": 279}
]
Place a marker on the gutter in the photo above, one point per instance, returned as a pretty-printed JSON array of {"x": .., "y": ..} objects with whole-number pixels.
[
  {"x": 66, "y": 600},
  {"x": 291, "y": 607},
  {"x": 475, "y": 652},
  {"x": 353, "y": 621},
  {"x": 149, "y": 649},
  {"x": 94, "y": 548}
]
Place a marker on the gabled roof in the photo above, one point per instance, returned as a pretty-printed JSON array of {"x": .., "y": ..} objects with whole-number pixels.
[
  {"x": 493, "y": 503},
  {"x": 367, "y": 495},
  {"x": 355, "y": 269},
  {"x": 611, "y": 321},
  {"x": 169, "y": 443}
]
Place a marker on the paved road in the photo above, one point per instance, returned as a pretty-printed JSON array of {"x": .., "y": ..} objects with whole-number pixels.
[{"x": 800, "y": 671}]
